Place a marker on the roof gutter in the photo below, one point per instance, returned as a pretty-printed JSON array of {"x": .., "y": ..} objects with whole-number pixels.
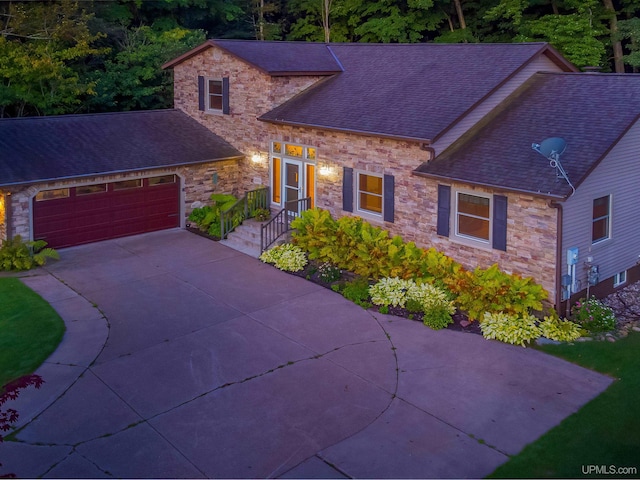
[
  {"x": 346, "y": 130},
  {"x": 116, "y": 172},
  {"x": 489, "y": 185}
]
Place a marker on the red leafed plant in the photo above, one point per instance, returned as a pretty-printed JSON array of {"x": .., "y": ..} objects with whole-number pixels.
[{"x": 11, "y": 391}]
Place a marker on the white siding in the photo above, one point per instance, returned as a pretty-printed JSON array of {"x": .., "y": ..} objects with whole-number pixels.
[
  {"x": 541, "y": 64},
  {"x": 617, "y": 175}
]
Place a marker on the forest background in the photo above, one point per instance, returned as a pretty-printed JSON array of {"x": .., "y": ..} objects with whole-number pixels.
[{"x": 69, "y": 56}]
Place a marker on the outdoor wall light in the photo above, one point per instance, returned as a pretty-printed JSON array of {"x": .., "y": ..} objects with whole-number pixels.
[
  {"x": 325, "y": 171},
  {"x": 256, "y": 158}
]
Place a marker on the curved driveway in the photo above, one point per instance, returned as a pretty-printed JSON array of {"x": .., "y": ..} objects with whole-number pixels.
[{"x": 186, "y": 359}]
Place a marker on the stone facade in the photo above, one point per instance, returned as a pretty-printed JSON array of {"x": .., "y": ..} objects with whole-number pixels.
[
  {"x": 197, "y": 183},
  {"x": 3, "y": 217},
  {"x": 532, "y": 227}
]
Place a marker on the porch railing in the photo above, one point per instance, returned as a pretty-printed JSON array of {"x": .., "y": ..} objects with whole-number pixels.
[
  {"x": 244, "y": 208},
  {"x": 280, "y": 223}
]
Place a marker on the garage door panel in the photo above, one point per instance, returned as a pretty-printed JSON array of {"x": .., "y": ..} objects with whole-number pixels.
[{"x": 110, "y": 213}]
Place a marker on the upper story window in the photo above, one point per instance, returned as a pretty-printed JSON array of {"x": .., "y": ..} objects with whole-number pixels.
[
  {"x": 214, "y": 95},
  {"x": 473, "y": 216},
  {"x": 369, "y": 193},
  {"x": 601, "y": 226}
]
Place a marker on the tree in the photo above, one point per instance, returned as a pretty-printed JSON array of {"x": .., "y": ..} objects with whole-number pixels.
[
  {"x": 132, "y": 79},
  {"x": 43, "y": 47}
]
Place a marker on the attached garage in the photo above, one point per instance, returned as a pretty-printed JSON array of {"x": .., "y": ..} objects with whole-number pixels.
[
  {"x": 77, "y": 179},
  {"x": 65, "y": 217}
]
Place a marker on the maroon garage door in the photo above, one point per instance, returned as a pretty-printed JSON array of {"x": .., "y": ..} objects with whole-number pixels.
[{"x": 70, "y": 216}]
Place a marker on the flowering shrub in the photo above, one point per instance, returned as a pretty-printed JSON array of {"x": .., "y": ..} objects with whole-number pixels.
[
  {"x": 328, "y": 273},
  {"x": 287, "y": 257},
  {"x": 510, "y": 328},
  {"x": 426, "y": 298},
  {"x": 561, "y": 330},
  {"x": 593, "y": 315}
]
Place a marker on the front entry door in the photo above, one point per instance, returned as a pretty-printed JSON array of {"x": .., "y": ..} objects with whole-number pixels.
[{"x": 292, "y": 184}]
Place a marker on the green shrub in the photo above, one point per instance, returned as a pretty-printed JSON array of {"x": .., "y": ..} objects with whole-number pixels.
[
  {"x": 261, "y": 214},
  {"x": 510, "y": 328},
  {"x": 287, "y": 257},
  {"x": 207, "y": 218},
  {"x": 357, "y": 291},
  {"x": 328, "y": 273},
  {"x": 432, "y": 301},
  {"x": 16, "y": 254},
  {"x": 561, "y": 330},
  {"x": 593, "y": 315}
]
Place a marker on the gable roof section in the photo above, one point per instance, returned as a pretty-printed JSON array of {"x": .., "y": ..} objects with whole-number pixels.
[
  {"x": 590, "y": 111},
  {"x": 274, "y": 58},
  {"x": 407, "y": 91},
  {"x": 35, "y": 149}
]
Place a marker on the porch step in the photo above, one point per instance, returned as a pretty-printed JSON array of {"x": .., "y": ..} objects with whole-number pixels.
[{"x": 246, "y": 238}]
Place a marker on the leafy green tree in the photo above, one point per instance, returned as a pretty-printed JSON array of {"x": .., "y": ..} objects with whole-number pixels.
[
  {"x": 43, "y": 48},
  {"x": 133, "y": 79}
]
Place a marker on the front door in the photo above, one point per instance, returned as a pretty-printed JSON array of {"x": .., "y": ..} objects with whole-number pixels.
[{"x": 292, "y": 184}]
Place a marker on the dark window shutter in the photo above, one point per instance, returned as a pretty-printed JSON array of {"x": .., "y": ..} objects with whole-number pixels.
[
  {"x": 500, "y": 222},
  {"x": 225, "y": 95},
  {"x": 444, "y": 209},
  {"x": 347, "y": 189},
  {"x": 389, "y": 200},
  {"x": 201, "y": 93}
]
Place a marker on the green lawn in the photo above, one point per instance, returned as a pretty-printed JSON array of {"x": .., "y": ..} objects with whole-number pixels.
[
  {"x": 30, "y": 330},
  {"x": 604, "y": 434}
]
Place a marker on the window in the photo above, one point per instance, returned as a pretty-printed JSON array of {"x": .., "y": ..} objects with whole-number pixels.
[
  {"x": 127, "y": 184},
  {"x": 214, "y": 95},
  {"x": 52, "y": 194},
  {"x": 369, "y": 193},
  {"x": 473, "y": 216},
  {"x": 161, "y": 180},
  {"x": 601, "y": 227},
  {"x": 620, "y": 279},
  {"x": 91, "y": 189}
]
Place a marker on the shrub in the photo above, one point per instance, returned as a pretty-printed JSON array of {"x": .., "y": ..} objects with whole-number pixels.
[
  {"x": 561, "y": 330},
  {"x": 16, "y": 254},
  {"x": 261, "y": 214},
  {"x": 328, "y": 273},
  {"x": 593, "y": 315},
  {"x": 510, "y": 328},
  {"x": 415, "y": 297},
  {"x": 207, "y": 218},
  {"x": 357, "y": 291},
  {"x": 287, "y": 257}
]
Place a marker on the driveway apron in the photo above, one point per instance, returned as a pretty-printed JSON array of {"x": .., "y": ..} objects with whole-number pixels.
[{"x": 186, "y": 359}]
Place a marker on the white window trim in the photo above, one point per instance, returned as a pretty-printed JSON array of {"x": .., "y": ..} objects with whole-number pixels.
[
  {"x": 620, "y": 278},
  {"x": 304, "y": 160},
  {"x": 454, "y": 211},
  {"x": 207, "y": 96},
  {"x": 356, "y": 192},
  {"x": 609, "y": 223}
]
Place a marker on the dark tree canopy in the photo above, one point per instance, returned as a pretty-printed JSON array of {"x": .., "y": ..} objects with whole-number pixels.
[{"x": 70, "y": 56}]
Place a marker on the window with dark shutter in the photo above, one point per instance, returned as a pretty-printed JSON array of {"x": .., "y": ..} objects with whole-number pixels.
[
  {"x": 500, "y": 222},
  {"x": 347, "y": 189},
  {"x": 225, "y": 95},
  {"x": 444, "y": 210}
]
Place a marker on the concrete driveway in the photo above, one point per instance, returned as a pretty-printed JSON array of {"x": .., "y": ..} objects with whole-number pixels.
[{"x": 186, "y": 359}]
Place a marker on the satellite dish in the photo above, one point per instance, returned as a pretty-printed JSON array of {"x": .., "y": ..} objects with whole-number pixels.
[{"x": 551, "y": 148}]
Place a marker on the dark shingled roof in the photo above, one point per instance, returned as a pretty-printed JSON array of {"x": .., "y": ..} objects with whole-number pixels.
[
  {"x": 590, "y": 111},
  {"x": 48, "y": 148},
  {"x": 412, "y": 91},
  {"x": 274, "y": 58}
]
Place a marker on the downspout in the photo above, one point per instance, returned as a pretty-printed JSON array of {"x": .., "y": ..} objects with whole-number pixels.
[{"x": 559, "y": 217}]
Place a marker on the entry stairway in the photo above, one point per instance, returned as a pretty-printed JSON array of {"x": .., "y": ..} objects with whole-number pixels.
[{"x": 246, "y": 238}]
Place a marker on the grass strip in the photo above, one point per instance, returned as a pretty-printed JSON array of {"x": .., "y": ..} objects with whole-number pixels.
[
  {"x": 30, "y": 330},
  {"x": 602, "y": 439}
]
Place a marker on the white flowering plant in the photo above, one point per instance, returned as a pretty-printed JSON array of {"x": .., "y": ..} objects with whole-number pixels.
[
  {"x": 423, "y": 297},
  {"x": 287, "y": 257}
]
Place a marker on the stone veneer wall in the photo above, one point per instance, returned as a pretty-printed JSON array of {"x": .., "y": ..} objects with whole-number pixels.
[
  {"x": 531, "y": 235},
  {"x": 3, "y": 218},
  {"x": 197, "y": 185},
  {"x": 251, "y": 94}
]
